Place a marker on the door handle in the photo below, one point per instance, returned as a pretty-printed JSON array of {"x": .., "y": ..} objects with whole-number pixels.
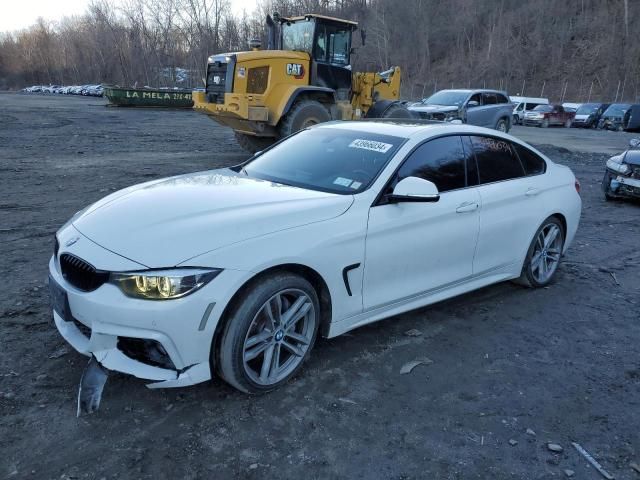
[
  {"x": 531, "y": 192},
  {"x": 467, "y": 207}
]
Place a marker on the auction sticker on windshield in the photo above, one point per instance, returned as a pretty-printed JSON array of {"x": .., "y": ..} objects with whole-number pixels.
[
  {"x": 370, "y": 145},
  {"x": 344, "y": 182}
]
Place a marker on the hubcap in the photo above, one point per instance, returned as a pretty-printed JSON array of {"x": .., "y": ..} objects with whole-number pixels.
[
  {"x": 279, "y": 336},
  {"x": 546, "y": 253}
]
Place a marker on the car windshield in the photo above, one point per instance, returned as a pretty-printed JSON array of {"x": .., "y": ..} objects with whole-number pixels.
[
  {"x": 543, "y": 108},
  {"x": 326, "y": 159},
  {"x": 587, "y": 108},
  {"x": 617, "y": 110},
  {"x": 447, "y": 97},
  {"x": 298, "y": 36}
]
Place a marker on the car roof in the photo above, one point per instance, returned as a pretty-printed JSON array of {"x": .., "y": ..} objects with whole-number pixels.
[
  {"x": 472, "y": 90},
  {"x": 405, "y": 128}
]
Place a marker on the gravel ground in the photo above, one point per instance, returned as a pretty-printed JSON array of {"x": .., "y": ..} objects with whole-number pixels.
[{"x": 562, "y": 361}]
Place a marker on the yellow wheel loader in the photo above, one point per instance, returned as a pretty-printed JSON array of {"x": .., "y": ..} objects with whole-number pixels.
[{"x": 303, "y": 78}]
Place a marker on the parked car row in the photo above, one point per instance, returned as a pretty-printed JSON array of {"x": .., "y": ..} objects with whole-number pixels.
[
  {"x": 86, "y": 90},
  {"x": 608, "y": 116}
]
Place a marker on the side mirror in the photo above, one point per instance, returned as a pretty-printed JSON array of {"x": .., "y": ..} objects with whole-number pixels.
[
  {"x": 472, "y": 103},
  {"x": 414, "y": 189},
  {"x": 634, "y": 142}
]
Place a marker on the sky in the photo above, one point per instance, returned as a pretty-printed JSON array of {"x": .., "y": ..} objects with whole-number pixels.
[{"x": 15, "y": 15}]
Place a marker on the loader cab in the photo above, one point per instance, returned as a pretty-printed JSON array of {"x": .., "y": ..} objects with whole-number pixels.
[{"x": 328, "y": 42}]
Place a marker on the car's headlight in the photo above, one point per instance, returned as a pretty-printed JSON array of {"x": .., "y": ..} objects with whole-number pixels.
[
  {"x": 616, "y": 165},
  {"x": 163, "y": 284}
]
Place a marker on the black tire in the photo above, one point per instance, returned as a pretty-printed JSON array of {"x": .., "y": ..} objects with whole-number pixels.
[
  {"x": 516, "y": 120},
  {"x": 544, "y": 123},
  {"x": 253, "y": 144},
  {"x": 303, "y": 114},
  {"x": 397, "y": 110},
  {"x": 502, "y": 125},
  {"x": 567, "y": 123},
  {"x": 238, "y": 322},
  {"x": 389, "y": 109},
  {"x": 527, "y": 278}
]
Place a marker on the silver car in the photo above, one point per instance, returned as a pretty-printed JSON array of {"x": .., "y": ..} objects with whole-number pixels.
[{"x": 484, "y": 108}]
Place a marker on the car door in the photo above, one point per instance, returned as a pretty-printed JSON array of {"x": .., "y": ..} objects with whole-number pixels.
[
  {"x": 490, "y": 109},
  {"x": 474, "y": 113},
  {"x": 415, "y": 247},
  {"x": 508, "y": 202}
]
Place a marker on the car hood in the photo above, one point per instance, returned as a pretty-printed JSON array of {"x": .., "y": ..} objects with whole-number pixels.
[
  {"x": 164, "y": 223},
  {"x": 433, "y": 108},
  {"x": 632, "y": 157}
]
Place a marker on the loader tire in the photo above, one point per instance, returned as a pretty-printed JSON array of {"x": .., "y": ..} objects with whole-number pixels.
[
  {"x": 253, "y": 144},
  {"x": 303, "y": 114},
  {"x": 388, "y": 109}
]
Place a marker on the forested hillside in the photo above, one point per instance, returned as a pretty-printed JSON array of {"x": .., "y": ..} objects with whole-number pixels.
[{"x": 571, "y": 50}]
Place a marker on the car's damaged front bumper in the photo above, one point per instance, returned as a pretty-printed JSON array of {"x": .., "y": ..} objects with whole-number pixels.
[
  {"x": 616, "y": 185},
  {"x": 168, "y": 342}
]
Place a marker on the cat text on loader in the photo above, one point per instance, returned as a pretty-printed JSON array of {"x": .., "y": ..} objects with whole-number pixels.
[{"x": 303, "y": 78}]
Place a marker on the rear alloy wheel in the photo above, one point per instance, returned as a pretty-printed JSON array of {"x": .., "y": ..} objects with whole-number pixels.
[
  {"x": 253, "y": 144},
  {"x": 544, "y": 254},
  {"x": 502, "y": 125},
  {"x": 304, "y": 114},
  {"x": 270, "y": 333}
]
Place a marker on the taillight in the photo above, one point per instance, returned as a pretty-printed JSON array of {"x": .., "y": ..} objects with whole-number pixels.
[{"x": 577, "y": 185}]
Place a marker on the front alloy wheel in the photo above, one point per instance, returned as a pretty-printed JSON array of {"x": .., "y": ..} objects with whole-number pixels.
[
  {"x": 279, "y": 337},
  {"x": 269, "y": 333},
  {"x": 544, "y": 254}
]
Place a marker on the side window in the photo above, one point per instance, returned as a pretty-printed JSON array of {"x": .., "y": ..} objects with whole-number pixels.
[
  {"x": 502, "y": 98},
  {"x": 470, "y": 161},
  {"x": 532, "y": 163},
  {"x": 339, "y": 47},
  {"x": 489, "y": 99},
  {"x": 440, "y": 161},
  {"x": 320, "y": 52},
  {"x": 496, "y": 159},
  {"x": 520, "y": 107},
  {"x": 475, "y": 98}
]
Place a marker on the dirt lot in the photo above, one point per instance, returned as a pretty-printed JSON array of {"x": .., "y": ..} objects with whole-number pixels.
[{"x": 562, "y": 361}]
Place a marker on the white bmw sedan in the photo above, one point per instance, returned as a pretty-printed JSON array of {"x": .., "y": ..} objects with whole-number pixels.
[{"x": 236, "y": 271}]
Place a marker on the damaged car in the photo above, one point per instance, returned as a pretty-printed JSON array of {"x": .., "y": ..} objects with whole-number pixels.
[
  {"x": 613, "y": 117},
  {"x": 235, "y": 272},
  {"x": 622, "y": 175},
  {"x": 484, "y": 108},
  {"x": 588, "y": 115}
]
